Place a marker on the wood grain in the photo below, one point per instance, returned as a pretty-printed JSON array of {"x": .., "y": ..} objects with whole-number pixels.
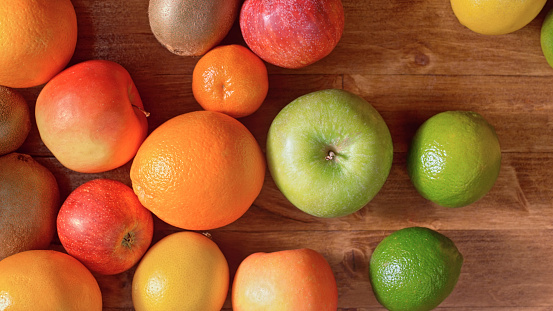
[{"x": 411, "y": 60}]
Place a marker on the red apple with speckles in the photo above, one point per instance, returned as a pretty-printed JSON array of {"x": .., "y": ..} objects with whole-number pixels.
[
  {"x": 292, "y": 33},
  {"x": 104, "y": 226}
]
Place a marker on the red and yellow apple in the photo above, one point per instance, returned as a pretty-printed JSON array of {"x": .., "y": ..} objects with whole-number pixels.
[
  {"x": 292, "y": 33},
  {"x": 298, "y": 279},
  {"x": 104, "y": 226},
  {"x": 91, "y": 116}
]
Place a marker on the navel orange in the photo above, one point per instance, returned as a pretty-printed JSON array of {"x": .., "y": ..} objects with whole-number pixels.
[
  {"x": 47, "y": 280},
  {"x": 198, "y": 171},
  {"x": 37, "y": 40},
  {"x": 230, "y": 79}
]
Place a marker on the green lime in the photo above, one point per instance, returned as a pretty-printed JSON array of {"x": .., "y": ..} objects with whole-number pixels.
[
  {"x": 414, "y": 269},
  {"x": 546, "y": 38},
  {"x": 454, "y": 158}
]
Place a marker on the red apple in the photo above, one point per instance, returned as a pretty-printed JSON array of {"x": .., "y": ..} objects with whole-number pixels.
[
  {"x": 292, "y": 33},
  {"x": 103, "y": 225},
  {"x": 297, "y": 279},
  {"x": 91, "y": 116}
]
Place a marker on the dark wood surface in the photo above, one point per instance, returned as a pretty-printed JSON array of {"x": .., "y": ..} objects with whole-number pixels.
[{"x": 411, "y": 60}]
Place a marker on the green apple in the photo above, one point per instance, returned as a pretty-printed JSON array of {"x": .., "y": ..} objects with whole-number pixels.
[{"x": 329, "y": 152}]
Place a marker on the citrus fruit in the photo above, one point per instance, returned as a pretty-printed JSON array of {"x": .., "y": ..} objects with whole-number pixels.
[
  {"x": 414, "y": 269},
  {"x": 37, "y": 40},
  {"x": 230, "y": 79},
  {"x": 496, "y": 17},
  {"x": 200, "y": 170},
  {"x": 15, "y": 120},
  {"x": 546, "y": 38},
  {"x": 47, "y": 280},
  {"x": 29, "y": 203},
  {"x": 454, "y": 158},
  {"x": 183, "y": 271}
]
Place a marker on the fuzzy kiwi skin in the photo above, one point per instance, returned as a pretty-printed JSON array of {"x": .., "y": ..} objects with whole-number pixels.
[
  {"x": 15, "y": 120},
  {"x": 191, "y": 27},
  {"x": 29, "y": 204}
]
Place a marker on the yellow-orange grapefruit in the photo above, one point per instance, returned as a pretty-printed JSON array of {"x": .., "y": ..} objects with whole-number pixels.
[
  {"x": 198, "y": 171},
  {"x": 184, "y": 271},
  {"x": 47, "y": 280}
]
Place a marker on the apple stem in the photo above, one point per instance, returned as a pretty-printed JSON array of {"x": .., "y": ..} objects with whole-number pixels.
[
  {"x": 128, "y": 240},
  {"x": 330, "y": 155},
  {"x": 146, "y": 113}
]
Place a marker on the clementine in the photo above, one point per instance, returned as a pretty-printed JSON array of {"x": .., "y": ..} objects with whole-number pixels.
[
  {"x": 47, "y": 280},
  {"x": 230, "y": 79},
  {"x": 37, "y": 40},
  {"x": 198, "y": 171}
]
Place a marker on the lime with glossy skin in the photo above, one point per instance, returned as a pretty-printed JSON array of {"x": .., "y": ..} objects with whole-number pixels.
[
  {"x": 414, "y": 269},
  {"x": 546, "y": 38},
  {"x": 454, "y": 158}
]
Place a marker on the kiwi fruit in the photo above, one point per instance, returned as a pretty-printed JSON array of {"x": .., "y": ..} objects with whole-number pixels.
[
  {"x": 29, "y": 204},
  {"x": 15, "y": 120},
  {"x": 191, "y": 27}
]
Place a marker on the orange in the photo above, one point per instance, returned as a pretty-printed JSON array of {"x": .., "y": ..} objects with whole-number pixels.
[
  {"x": 183, "y": 271},
  {"x": 198, "y": 171},
  {"x": 37, "y": 40},
  {"x": 15, "y": 120},
  {"x": 47, "y": 280},
  {"x": 230, "y": 79}
]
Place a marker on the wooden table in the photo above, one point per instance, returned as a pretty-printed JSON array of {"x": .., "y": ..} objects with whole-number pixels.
[{"x": 411, "y": 60}]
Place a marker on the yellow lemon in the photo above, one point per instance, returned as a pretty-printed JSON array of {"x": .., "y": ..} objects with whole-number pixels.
[{"x": 496, "y": 17}]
